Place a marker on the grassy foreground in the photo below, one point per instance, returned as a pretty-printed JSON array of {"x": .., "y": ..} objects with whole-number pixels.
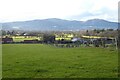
[{"x": 45, "y": 61}]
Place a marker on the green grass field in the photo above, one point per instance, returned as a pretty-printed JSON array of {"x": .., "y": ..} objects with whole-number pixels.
[{"x": 45, "y": 61}]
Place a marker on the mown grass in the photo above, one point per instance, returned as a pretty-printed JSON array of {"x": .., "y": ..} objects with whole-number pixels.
[{"x": 45, "y": 61}]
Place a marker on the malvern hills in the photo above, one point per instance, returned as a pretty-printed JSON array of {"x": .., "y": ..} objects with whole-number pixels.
[{"x": 55, "y": 24}]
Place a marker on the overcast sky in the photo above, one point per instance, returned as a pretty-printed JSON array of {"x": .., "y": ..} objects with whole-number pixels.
[{"x": 21, "y": 10}]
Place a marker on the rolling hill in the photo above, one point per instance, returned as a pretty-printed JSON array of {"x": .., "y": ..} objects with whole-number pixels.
[{"x": 55, "y": 24}]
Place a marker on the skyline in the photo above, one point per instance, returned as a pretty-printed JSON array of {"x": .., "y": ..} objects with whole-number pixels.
[{"x": 80, "y": 10}]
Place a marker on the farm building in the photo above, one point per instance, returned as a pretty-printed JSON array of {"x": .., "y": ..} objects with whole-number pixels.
[{"x": 75, "y": 39}]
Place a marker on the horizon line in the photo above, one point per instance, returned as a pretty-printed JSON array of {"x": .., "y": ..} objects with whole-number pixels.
[{"x": 57, "y": 18}]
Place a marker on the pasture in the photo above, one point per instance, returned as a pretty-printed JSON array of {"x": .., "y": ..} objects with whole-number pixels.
[{"x": 46, "y": 61}]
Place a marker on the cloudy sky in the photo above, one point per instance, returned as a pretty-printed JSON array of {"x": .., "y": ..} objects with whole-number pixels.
[{"x": 21, "y": 10}]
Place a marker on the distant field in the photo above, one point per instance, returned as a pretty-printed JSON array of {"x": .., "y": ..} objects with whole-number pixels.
[
  {"x": 22, "y": 38},
  {"x": 45, "y": 61}
]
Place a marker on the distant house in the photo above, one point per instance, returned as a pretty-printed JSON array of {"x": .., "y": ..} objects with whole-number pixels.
[
  {"x": 63, "y": 36},
  {"x": 7, "y": 40},
  {"x": 75, "y": 39}
]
